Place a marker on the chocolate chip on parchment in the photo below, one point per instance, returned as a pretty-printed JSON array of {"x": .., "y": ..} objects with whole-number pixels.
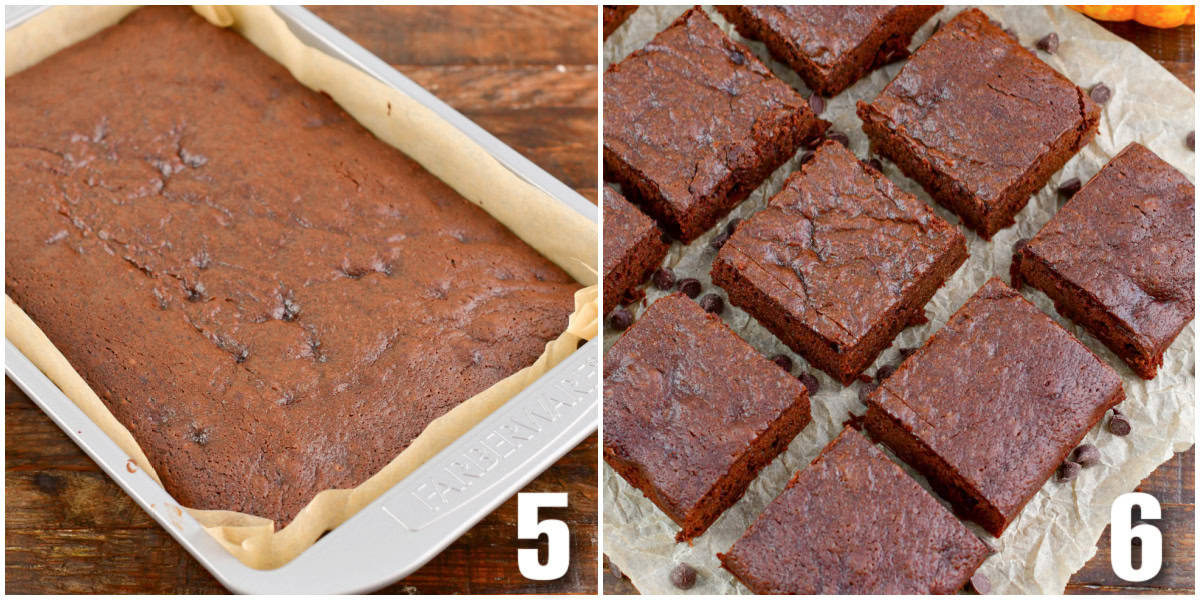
[
  {"x": 713, "y": 304},
  {"x": 1068, "y": 470},
  {"x": 816, "y": 103},
  {"x": 1190, "y": 140},
  {"x": 907, "y": 352},
  {"x": 1069, "y": 187},
  {"x": 1119, "y": 425},
  {"x": 884, "y": 372},
  {"x": 620, "y": 319},
  {"x": 1086, "y": 455},
  {"x": 1100, "y": 93},
  {"x": 807, "y": 156},
  {"x": 683, "y": 576},
  {"x": 1049, "y": 43},
  {"x": 810, "y": 381},
  {"x": 690, "y": 287},
  {"x": 875, "y": 163},
  {"x": 719, "y": 241},
  {"x": 664, "y": 278},
  {"x": 731, "y": 226},
  {"x": 838, "y": 137},
  {"x": 783, "y": 361},
  {"x": 981, "y": 584}
]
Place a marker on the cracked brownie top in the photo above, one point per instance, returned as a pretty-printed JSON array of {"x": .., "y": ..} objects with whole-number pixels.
[
  {"x": 273, "y": 301},
  {"x": 840, "y": 245},
  {"x": 982, "y": 109}
]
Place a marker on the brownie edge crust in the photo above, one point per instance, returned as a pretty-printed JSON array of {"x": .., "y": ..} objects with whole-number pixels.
[{"x": 271, "y": 300}]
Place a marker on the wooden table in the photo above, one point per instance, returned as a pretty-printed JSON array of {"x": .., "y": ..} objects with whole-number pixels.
[
  {"x": 1173, "y": 483},
  {"x": 527, "y": 75}
]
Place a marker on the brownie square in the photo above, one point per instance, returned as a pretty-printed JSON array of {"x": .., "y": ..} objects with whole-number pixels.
[
  {"x": 692, "y": 412},
  {"x": 831, "y": 47},
  {"x": 693, "y": 123},
  {"x": 854, "y": 522},
  {"x": 839, "y": 262},
  {"x": 992, "y": 404},
  {"x": 979, "y": 121},
  {"x": 633, "y": 246},
  {"x": 1119, "y": 258},
  {"x": 615, "y": 15}
]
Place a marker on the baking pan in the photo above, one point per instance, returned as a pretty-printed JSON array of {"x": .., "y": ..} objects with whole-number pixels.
[{"x": 422, "y": 514}]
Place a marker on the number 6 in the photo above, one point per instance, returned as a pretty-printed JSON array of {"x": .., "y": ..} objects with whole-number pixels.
[
  {"x": 1122, "y": 537},
  {"x": 558, "y": 537}
]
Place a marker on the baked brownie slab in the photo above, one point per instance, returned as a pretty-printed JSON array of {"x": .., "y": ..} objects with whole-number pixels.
[
  {"x": 1119, "y": 258},
  {"x": 854, "y": 522},
  {"x": 992, "y": 404},
  {"x": 979, "y": 121},
  {"x": 839, "y": 262},
  {"x": 692, "y": 412},
  {"x": 831, "y": 47},
  {"x": 615, "y": 15},
  {"x": 693, "y": 122},
  {"x": 269, "y": 298},
  {"x": 633, "y": 246}
]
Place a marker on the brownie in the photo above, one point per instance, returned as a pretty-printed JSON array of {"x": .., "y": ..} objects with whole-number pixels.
[
  {"x": 692, "y": 412},
  {"x": 992, "y": 404},
  {"x": 1119, "y": 258},
  {"x": 854, "y": 522},
  {"x": 693, "y": 123},
  {"x": 633, "y": 247},
  {"x": 831, "y": 47},
  {"x": 271, "y": 300},
  {"x": 615, "y": 15},
  {"x": 979, "y": 121},
  {"x": 839, "y": 262}
]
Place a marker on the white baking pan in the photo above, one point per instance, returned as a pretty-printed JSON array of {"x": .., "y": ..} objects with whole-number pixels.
[{"x": 405, "y": 527}]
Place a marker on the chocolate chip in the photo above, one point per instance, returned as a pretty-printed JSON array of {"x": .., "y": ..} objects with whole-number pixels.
[
  {"x": 838, "y": 137},
  {"x": 866, "y": 390},
  {"x": 981, "y": 584},
  {"x": 683, "y": 576},
  {"x": 620, "y": 319},
  {"x": 1049, "y": 43},
  {"x": 719, "y": 241},
  {"x": 810, "y": 381},
  {"x": 884, "y": 372},
  {"x": 731, "y": 226},
  {"x": 816, "y": 103},
  {"x": 1119, "y": 425},
  {"x": 907, "y": 352},
  {"x": 1086, "y": 455},
  {"x": 874, "y": 163},
  {"x": 1100, "y": 93},
  {"x": 1068, "y": 470},
  {"x": 1069, "y": 187},
  {"x": 1191, "y": 140},
  {"x": 712, "y": 303},
  {"x": 783, "y": 361},
  {"x": 807, "y": 156},
  {"x": 690, "y": 287},
  {"x": 664, "y": 278}
]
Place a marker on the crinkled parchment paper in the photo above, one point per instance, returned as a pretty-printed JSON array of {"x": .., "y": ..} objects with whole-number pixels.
[
  {"x": 1057, "y": 532},
  {"x": 553, "y": 229}
]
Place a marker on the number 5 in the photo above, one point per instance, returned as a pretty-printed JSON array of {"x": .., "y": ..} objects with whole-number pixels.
[
  {"x": 1122, "y": 536},
  {"x": 558, "y": 537}
]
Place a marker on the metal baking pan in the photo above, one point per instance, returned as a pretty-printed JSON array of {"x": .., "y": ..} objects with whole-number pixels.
[{"x": 406, "y": 526}]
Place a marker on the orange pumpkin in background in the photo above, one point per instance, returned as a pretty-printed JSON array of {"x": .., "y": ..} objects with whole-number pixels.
[{"x": 1163, "y": 17}]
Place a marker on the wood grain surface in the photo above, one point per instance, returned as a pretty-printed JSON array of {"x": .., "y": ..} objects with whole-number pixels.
[
  {"x": 527, "y": 75},
  {"x": 1173, "y": 483}
]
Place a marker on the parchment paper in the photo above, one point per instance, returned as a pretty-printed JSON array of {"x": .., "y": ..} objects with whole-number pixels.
[
  {"x": 1057, "y": 532},
  {"x": 562, "y": 235}
]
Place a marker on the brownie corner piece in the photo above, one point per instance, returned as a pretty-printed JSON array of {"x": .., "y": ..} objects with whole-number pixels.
[
  {"x": 692, "y": 412},
  {"x": 979, "y": 121},
  {"x": 992, "y": 404},
  {"x": 839, "y": 262},
  {"x": 853, "y": 522},
  {"x": 1119, "y": 257},
  {"x": 615, "y": 15},
  {"x": 831, "y": 47},
  {"x": 633, "y": 247},
  {"x": 693, "y": 122}
]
